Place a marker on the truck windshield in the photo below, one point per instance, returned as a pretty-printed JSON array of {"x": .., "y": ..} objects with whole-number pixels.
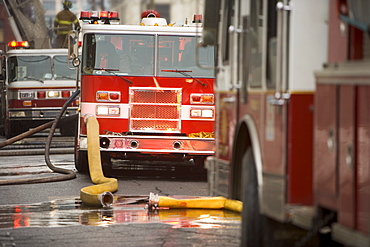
[
  {"x": 61, "y": 70},
  {"x": 28, "y": 68},
  {"x": 134, "y": 54},
  {"x": 123, "y": 54},
  {"x": 177, "y": 53}
]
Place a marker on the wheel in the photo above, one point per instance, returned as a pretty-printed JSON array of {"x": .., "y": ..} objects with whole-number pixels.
[
  {"x": 106, "y": 163},
  {"x": 81, "y": 161},
  {"x": 67, "y": 131},
  {"x": 199, "y": 170},
  {"x": 252, "y": 234},
  {"x": 14, "y": 128},
  {"x": 68, "y": 125},
  {"x": 257, "y": 229}
]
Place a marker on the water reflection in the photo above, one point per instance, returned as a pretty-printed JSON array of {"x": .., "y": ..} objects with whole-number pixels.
[{"x": 68, "y": 212}]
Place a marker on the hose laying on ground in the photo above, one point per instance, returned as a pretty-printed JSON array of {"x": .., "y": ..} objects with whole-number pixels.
[
  {"x": 99, "y": 194},
  {"x": 69, "y": 173},
  {"x": 25, "y": 134},
  {"x": 205, "y": 203}
]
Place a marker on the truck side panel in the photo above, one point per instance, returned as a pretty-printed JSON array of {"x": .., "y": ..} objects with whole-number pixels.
[
  {"x": 363, "y": 159},
  {"x": 325, "y": 136},
  {"x": 347, "y": 162}
]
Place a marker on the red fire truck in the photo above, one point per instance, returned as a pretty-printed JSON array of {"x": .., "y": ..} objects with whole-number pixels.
[
  {"x": 37, "y": 82},
  {"x": 142, "y": 83},
  {"x": 293, "y": 118}
]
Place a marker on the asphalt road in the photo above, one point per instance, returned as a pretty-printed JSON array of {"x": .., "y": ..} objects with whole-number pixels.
[{"x": 51, "y": 214}]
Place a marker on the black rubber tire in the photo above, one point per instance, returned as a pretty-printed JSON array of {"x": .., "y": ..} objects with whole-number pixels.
[
  {"x": 15, "y": 128},
  {"x": 252, "y": 226},
  {"x": 67, "y": 131},
  {"x": 81, "y": 161},
  {"x": 68, "y": 125},
  {"x": 106, "y": 163}
]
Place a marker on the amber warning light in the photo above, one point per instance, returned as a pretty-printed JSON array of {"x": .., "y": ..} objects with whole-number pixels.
[{"x": 18, "y": 44}]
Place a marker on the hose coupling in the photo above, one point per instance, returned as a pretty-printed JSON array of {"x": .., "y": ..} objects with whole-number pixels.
[
  {"x": 153, "y": 201},
  {"x": 86, "y": 116},
  {"x": 106, "y": 199}
]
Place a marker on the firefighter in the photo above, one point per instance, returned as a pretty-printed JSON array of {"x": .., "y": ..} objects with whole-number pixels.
[{"x": 64, "y": 22}]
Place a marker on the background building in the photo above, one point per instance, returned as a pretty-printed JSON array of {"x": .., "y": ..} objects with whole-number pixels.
[{"x": 175, "y": 11}]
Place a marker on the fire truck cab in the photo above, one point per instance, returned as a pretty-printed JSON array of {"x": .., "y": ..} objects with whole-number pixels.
[
  {"x": 142, "y": 83},
  {"x": 293, "y": 119},
  {"x": 37, "y": 82}
]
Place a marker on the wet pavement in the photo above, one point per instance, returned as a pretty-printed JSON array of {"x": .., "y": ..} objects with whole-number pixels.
[
  {"x": 67, "y": 222},
  {"x": 51, "y": 214}
]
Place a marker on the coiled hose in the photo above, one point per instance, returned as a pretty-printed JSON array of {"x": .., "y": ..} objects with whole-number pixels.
[
  {"x": 101, "y": 193},
  {"x": 68, "y": 174}
]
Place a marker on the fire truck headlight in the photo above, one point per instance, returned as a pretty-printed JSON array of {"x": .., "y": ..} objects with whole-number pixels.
[
  {"x": 207, "y": 113},
  {"x": 53, "y": 94},
  {"x": 196, "y": 113},
  {"x": 104, "y": 110},
  {"x": 27, "y": 95},
  {"x": 201, "y": 113}
]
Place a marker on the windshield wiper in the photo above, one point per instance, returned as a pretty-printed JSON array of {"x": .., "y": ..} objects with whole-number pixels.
[
  {"x": 111, "y": 71},
  {"x": 65, "y": 77},
  {"x": 33, "y": 78},
  {"x": 185, "y": 73}
]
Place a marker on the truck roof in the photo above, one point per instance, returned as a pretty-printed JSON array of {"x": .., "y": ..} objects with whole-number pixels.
[
  {"x": 49, "y": 52},
  {"x": 175, "y": 30}
]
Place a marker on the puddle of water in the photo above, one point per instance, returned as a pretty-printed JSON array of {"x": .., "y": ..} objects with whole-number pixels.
[{"x": 69, "y": 212}]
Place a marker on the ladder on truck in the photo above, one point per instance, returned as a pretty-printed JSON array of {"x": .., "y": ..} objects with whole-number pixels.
[{"x": 27, "y": 21}]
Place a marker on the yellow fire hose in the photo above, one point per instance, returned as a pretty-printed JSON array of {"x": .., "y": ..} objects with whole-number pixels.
[
  {"x": 205, "y": 203},
  {"x": 99, "y": 194}
]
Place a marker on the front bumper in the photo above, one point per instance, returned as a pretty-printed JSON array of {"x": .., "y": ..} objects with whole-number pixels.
[
  {"x": 40, "y": 113},
  {"x": 154, "y": 144}
]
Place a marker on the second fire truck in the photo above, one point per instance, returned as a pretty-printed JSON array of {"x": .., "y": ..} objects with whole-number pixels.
[
  {"x": 37, "y": 82},
  {"x": 143, "y": 85}
]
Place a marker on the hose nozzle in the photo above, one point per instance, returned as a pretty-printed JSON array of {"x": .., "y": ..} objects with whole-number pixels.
[
  {"x": 106, "y": 199},
  {"x": 153, "y": 201}
]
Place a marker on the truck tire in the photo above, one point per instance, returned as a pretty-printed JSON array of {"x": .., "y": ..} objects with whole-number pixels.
[
  {"x": 81, "y": 161},
  {"x": 14, "y": 128},
  {"x": 251, "y": 217}
]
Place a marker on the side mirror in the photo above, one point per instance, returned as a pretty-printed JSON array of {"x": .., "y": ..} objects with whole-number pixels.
[
  {"x": 72, "y": 46},
  {"x": 211, "y": 21}
]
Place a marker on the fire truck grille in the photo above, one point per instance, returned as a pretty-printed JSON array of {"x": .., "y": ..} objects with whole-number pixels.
[{"x": 155, "y": 110}]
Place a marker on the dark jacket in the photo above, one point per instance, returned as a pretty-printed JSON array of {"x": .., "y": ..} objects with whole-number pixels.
[{"x": 64, "y": 20}]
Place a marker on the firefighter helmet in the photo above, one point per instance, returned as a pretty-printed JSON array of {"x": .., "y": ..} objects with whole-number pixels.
[{"x": 67, "y": 4}]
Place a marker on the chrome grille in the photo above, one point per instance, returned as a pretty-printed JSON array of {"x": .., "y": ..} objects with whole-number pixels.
[{"x": 155, "y": 109}]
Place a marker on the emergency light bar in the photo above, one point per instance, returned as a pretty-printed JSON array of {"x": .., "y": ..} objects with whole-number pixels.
[
  {"x": 197, "y": 19},
  {"x": 104, "y": 16},
  {"x": 18, "y": 44}
]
